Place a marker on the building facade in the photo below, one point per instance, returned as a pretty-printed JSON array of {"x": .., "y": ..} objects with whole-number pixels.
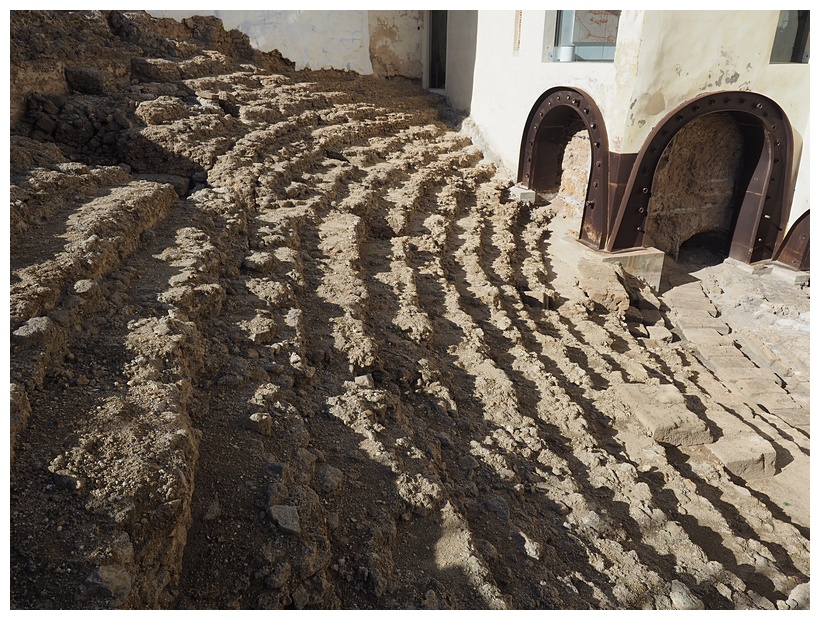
[{"x": 720, "y": 96}]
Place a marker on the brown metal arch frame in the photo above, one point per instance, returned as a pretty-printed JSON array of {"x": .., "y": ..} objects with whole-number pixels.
[
  {"x": 794, "y": 251},
  {"x": 764, "y": 194},
  {"x": 542, "y": 138}
]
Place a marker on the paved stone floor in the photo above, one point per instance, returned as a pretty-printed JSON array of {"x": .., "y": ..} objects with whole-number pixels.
[{"x": 762, "y": 421}]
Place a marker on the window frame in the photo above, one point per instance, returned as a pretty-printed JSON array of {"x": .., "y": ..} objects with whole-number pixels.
[
  {"x": 563, "y": 28},
  {"x": 798, "y": 41}
]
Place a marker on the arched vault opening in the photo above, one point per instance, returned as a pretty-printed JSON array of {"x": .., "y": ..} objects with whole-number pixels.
[
  {"x": 762, "y": 197},
  {"x": 553, "y": 116}
]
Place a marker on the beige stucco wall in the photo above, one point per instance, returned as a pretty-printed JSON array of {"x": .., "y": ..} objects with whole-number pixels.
[
  {"x": 662, "y": 59},
  {"x": 730, "y": 52},
  {"x": 396, "y": 42}
]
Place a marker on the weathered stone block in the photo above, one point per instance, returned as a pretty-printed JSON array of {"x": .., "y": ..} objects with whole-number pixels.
[
  {"x": 753, "y": 380},
  {"x": 633, "y": 315},
  {"x": 776, "y": 399},
  {"x": 154, "y": 70},
  {"x": 662, "y": 411},
  {"x": 522, "y": 193},
  {"x": 365, "y": 381},
  {"x": 716, "y": 357},
  {"x": 659, "y": 333},
  {"x": 260, "y": 422},
  {"x": 701, "y": 322},
  {"x": 746, "y": 455},
  {"x": 638, "y": 330},
  {"x": 88, "y": 80},
  {"x": 699, "y": 335},
  {"x": 538, "y": 298},
  {"x": 602, "y": 285},
  {"x": 37, "y": 332},
  {"x": 796, "y": 417},
  {"x": 651, "y": 316}
]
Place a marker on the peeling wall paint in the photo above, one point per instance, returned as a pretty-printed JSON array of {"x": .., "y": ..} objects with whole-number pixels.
[
  {"x": 730, "y": 52},
  {"x": 396, "y": 42}
]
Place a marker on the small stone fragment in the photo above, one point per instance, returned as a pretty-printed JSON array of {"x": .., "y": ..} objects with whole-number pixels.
[
  {"x": 430, "y": 600},
  {"x": 286, "y": 518},
  {"x": 365, "y": 381},
  {"x": 799, "y": 597},
  {"x": 111, "y": 580},
  {"x": 279, "y": 577},
  {"x": 261, "y": 422},
  {"x": 682, "y": 597},
  {"x": 328, "y": 479}
]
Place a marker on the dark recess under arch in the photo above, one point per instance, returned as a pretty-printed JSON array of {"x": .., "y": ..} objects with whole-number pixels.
[
  {"x": 542, "y": 142},
  {"x": 762, "y": 199}
]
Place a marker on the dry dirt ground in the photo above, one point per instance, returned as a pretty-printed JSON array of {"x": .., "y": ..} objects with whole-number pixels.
[{"x": 283, "y": 340}]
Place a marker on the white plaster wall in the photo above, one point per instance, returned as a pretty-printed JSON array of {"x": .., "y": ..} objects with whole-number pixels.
[
  {"x": 801, "y": 201},
  {"x": 311, "y": 39},
  {"x": 505, "y": 85},
  {"x": 458, "y": 85},
  {"x": 730, "y": 52}
]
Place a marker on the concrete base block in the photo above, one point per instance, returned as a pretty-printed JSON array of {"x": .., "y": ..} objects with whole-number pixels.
[
  {"x": 522, "y": 193},
  {"x": 645, "y": 263},
  {"x": 798, "y": 278},
  {"x": 661, "y": 409},
  {"x": 757, "y": 269},
  {"x": 746, "y": 455}
]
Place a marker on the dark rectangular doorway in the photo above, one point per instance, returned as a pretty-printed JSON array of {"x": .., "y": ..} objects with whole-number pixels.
[{"x": 438, "y": 48}]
